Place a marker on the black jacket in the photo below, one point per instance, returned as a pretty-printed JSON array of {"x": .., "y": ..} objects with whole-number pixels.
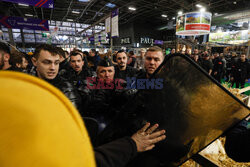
[
  {"x": 207, "y": 65},
  {"x": 241, "y": 70},
  {"x": 129, "y": 72},
  {"x": 68, "y": 89},
  {"x": 237, "y": 143},
  {"x": 116, "y": 153},
  {"x": 218, "y": 65}
]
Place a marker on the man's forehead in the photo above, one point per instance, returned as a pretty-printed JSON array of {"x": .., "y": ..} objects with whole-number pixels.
[
  {"x": 78, "y": 56},
  {"x": 154, "y": 54},
  {"x": 106, "y": 68},
  {"x": 47, "y": 55},
  {"x": 121, "y": 54}
]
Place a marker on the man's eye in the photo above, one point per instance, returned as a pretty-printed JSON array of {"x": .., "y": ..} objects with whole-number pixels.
[{"x": 46, "y": 62}]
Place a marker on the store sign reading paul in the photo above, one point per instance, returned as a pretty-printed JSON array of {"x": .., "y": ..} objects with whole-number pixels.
[{"x": 146, "y": 40}]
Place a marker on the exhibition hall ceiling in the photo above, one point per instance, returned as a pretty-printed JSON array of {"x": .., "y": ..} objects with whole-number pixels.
[{"x": 91, "y": 11}]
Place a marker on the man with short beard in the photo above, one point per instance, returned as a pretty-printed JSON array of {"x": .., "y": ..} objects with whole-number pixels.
[
  {"x": 18, "y": 62},
  {"x": 4, "y": 56},
  {"x": 122, "y": 71}
]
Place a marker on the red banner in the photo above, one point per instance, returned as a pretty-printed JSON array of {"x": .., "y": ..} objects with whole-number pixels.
[{"x": 205, "y": 27}]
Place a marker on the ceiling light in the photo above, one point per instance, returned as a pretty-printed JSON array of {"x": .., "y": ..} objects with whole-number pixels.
[
  {"x": 83, "y": 0},
  {"x": 101, "y": 24},
  {"x": 110, "y": 5},
  {"x": 163, "y": 15},
  {"x": 235, "y": 2},
  {"x": 70, "y": 20},
  {"x": 132, "y": 8},
  {"x": 75, "y": 12},
  {"x": 173, "y": 18},
  {"x": 216, "y": 14},
  {"x": 198, "y": 6},
  {"x": 180, "y": 13},
  {"x": 29, "y": 15},
  {"x": 202, "y": 9},
  {"x": 22, "y": 4}
]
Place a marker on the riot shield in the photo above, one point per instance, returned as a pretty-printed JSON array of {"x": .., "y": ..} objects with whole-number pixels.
[{"x": 192, "y": 107}]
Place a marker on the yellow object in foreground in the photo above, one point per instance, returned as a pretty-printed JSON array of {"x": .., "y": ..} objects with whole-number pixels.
[{"x": 39, "y": 127}]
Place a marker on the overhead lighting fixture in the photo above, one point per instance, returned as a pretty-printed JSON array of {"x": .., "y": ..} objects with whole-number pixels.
[
  {"x": 202, "y": 9},
  {"x": 101, "y": 24},
  {"x": 180, "y": 13},
  {"x": 29, "y": 15},
  {"x": 83, "y": 0},
  {"x": 163, "y": 15},
  {"x": 132, "y": 8},
  {"x": 216, "y": 14},
  {"x": 235, "y": 2},
  {"x": 198, "y": 6},
  {"x": 22, "y": 4},
  {"x": 173, "y": 18},
  {"x": 110, "y": 5},
  {"x": 70, "y": 20},
  {"x": 75, "y": 12}
]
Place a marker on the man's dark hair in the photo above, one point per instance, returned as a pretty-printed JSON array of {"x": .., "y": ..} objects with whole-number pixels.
[
  {"x": 4, "y": 47},
  {"x": 93, "y": 50},
  {"x": 86, "y": 53},
  {"x": 120, "y": 51},
  {"x": 66, "y": 52},
  {"x": 51, "y": 49},
  {"x": 16, "y": 57},
  {"x": 75, "y": 53},
  {"x": 61, "y": 52},
  {"x": 131, "y": 52}
]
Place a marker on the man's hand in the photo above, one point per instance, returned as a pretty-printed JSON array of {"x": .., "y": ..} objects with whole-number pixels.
[{"x": 146, "y": 138}]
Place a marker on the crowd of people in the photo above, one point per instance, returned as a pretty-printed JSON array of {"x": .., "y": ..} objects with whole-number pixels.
[
  {"x": 229, "y": 67},
  {"x": 96, "y": 86}
]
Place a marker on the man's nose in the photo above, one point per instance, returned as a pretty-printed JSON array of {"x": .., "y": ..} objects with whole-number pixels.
[
  {"x": 152, "y": 62},
  {"x": 52, "y": 66}
]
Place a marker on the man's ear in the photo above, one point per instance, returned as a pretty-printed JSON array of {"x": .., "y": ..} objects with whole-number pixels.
[
  {"x": 34, "y": 61},
  {"x": 6, "y": 57},
  {"x": 18, "y": 65}
]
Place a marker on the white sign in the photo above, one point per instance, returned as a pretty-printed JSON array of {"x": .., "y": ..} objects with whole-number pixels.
[
  {"x": 114, "y": 21},
  {"x": 107, "y": 25},
  {"x": 147, "y": 41},
  {"x": 126, "y": 41}
]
